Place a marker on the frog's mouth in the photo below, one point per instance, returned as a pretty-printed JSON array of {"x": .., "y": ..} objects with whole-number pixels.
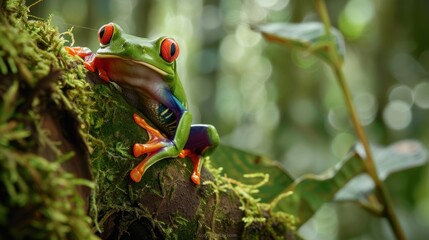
[
  {"x": 132, "y": 74},
  {"x": 147, "y": 65}
]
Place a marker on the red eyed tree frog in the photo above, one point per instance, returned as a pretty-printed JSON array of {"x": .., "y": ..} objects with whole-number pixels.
[{"x": 145, "y": 70}]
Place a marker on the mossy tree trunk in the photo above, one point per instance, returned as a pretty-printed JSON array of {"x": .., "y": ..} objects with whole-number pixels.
[
  {"x": 165, "y": 202},
  {"x": 59, "y": 124}
]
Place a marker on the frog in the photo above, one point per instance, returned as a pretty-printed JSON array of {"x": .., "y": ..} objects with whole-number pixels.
[{"x": 146, "y": 72}]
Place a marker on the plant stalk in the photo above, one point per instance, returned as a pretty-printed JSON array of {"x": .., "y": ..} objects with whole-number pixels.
[
  {"x": 384, "y": 199},
  {"x": 383, "y": 194}
]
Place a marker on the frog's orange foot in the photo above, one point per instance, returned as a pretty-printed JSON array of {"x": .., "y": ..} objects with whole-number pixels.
[
  {"x": 156, "y": 139},
  {"x": 151, "y": 146},
  {"x": 152, "y": 132},
  {"x": 136, "y": 173},
  {"x": 196, "y": 161},
  {"x": 72, "y": 50},
  {"x": 156, "y": 142},
  {"x": 84, "y": 53},
  {"x": 196, "y": 178}
]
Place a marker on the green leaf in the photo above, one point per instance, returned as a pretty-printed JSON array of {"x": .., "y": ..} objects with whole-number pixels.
[
  {"x": 237, "y": 163},
  {"x": 347, "y": 181},
  {"x": 309, "y": 192},
  {"x": 310, "y": 36},
  {"x": 399, "y": 156}
]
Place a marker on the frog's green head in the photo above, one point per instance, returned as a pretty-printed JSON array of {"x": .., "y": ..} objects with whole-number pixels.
[{"x": 159, "y": 54}]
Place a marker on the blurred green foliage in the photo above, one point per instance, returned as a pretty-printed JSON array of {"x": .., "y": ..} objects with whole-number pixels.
[{"x": 286, "y": 104}]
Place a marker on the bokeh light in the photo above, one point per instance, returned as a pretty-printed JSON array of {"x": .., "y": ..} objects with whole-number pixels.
[
  {"x": 324, "y": 225},
  {"x": 402, "y": 93},
  {"x": 421, "y": 92},
  {"x": 355, "y": 17},
  {"x": 397, "y": 115}
]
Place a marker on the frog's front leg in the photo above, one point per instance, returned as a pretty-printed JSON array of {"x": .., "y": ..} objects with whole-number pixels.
[
  {"x": 203, "y": 140},
  {"x": 159, "y": 146},
  {"x": 85, "y": 53}
]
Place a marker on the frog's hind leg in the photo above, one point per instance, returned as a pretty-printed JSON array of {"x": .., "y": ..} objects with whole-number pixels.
[{"x": 202, "y": 141}]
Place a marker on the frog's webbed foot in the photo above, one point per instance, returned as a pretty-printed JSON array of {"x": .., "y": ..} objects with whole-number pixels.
[
  {"x": 84, "y": 53},
  {"x": 156, "y": 139},
  {"x": 202, "y": 141},
  {"x": 196, "y": 161},
  {"x": 156, "y": 142}
]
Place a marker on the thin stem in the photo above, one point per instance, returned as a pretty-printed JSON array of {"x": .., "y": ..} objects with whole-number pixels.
[
  {"x": 323, "y": 12},
  {"x": 388, "y": 210}
]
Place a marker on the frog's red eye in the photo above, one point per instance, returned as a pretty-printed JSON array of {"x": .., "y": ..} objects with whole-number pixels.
[
  {"x": 105, "y": 33},
  {"x": 169, "y": 50}
]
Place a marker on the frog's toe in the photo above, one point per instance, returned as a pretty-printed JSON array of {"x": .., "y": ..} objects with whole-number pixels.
[
  {"x": 140, "y": 149},
  {"x": 89, "y": 66},
  {"x": 137, "y": 172},
  {"x": 196, "y": 178},
  {"x": 196, "y": 161},
  {"x": 136, "y": 175},
  {"x": 154, "y": 134},
  {"x": 142, "y": 123},
  {"x": 70, "y": 50},
  {"x": 82, "y": 52}
]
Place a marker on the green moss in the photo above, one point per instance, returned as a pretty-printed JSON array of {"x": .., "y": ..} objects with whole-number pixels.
[
  {"x": 260, "y": 223},
  {"x": 39, "y": 199}
]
